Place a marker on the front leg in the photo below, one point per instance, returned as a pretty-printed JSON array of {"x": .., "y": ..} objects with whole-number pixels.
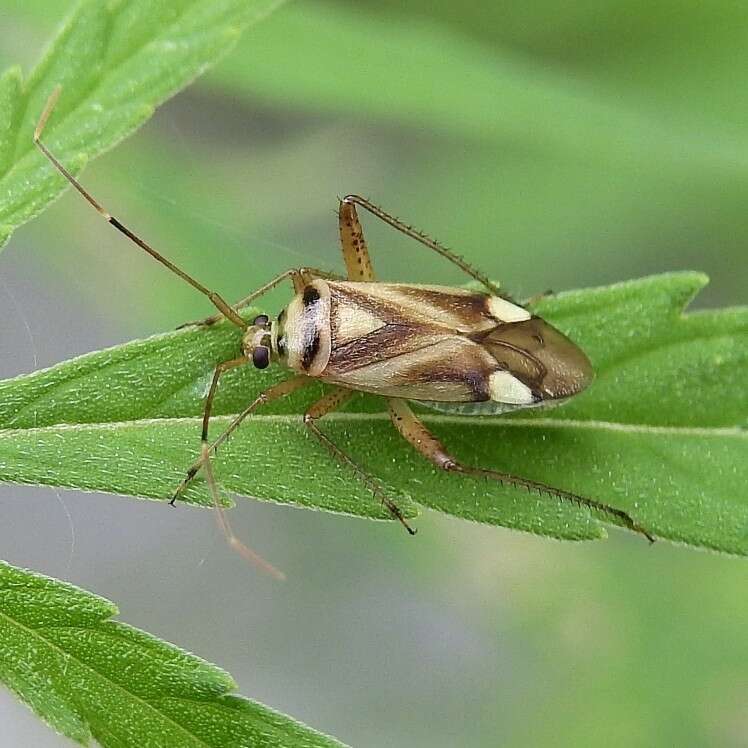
[
  {"x": 299, "y": 277},
  {"x": 281, "y": 389},
  {"x": 274, "y": 392},
  {"x": 232, "y": 539}
]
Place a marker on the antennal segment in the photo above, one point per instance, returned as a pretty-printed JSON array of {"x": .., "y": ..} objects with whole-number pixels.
[{"x": 212, "y": 296}]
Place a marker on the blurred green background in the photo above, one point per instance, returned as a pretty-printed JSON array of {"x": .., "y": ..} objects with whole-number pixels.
[{"x": 555, "y": 147}]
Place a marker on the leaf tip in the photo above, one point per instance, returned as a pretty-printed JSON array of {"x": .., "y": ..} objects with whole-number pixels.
[{"x": 685, "y": 286}]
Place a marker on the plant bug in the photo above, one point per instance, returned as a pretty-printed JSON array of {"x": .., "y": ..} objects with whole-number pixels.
[{"x": 451, "y": 349}]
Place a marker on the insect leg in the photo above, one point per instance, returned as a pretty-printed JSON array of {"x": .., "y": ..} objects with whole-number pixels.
[
  {"x": 353, "y": 244},
  {"x": 413, "y": 430},
  {"x": 419, "y": 236},
  {"x": 299, "y": 277},
  {"x": 275, "y": 392},
  {"x": 223, "y": 367},
  {"x": 213, "y": 297},
  {"x": 234, "y": 542},
  {"x": 272, "y": 393},
  {"x": 330, "y": 402}
]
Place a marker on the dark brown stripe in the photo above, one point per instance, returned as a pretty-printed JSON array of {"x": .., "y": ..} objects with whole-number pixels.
[
  {"x": 388, "y": 312},
  {"x": 310, "y": 350},
  {"x": 474, "y": 375},
  {"x": 387, "y": 342},
  {"x": 472, "y": 307}
]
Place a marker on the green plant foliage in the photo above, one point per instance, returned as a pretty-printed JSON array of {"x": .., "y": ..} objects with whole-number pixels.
[
  {"x": 115, "y": 62},
  {"x": 620, "y": 163},
  {"x": 659, "y": 434},
  {"x": 89, "y": 676},
  {"x": 396, "y": 71},
  {"x": 557, "y": 146}
]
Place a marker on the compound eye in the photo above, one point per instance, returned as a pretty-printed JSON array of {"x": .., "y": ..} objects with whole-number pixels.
[
  {"x": 261, "y": 357},
  {"x": 261, "y": 320}
]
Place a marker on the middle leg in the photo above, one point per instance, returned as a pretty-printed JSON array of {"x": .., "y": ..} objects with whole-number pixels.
[{"x": 330, "y": 402}]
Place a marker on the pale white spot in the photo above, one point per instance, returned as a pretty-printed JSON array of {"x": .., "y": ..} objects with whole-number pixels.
[
  {"x": 505, "y": 311},
  {"x": 355, "y": 322},
  {"x": 505, "y": 388}
]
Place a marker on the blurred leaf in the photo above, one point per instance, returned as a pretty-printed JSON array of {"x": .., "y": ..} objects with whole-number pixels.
[
  {"x": 115, "y": 62},
  {"x": 659, "y": 434},
  {"x": 557, "y": 158},
  {"x": 394, "y": 68},
  {"x": 90, "y": 677},
  {"x": 10, "y": 98}
]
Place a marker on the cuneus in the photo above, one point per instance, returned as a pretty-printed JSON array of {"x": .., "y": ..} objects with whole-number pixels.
[{"x": 452, "y": 349}]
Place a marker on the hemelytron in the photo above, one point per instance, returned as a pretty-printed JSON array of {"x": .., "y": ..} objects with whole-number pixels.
[{"x": 451, "y": 349}]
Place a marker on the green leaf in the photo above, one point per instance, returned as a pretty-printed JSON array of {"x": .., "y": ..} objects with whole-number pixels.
[
  {"x": 660, "y": 433},
  {"x": 89, "y": 676},
  {"x": 115, "y": 62}
]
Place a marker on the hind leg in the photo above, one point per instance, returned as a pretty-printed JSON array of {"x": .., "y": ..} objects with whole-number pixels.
[{"x": 413, "y": 430}]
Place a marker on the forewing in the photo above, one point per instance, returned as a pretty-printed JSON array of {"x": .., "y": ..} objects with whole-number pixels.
[
  {"x": 452, "y": 309},
  {"x": 431, "y": 343},
  {"x": 447, "y": 367}
]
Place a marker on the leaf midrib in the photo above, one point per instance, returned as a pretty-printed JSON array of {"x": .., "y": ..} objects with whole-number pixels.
[{"x": 286, "y": 418}]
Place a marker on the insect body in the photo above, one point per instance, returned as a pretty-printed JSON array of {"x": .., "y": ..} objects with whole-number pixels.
[
  {"x": 447, "y": 348},
  {"x": 427, "y": 343}
]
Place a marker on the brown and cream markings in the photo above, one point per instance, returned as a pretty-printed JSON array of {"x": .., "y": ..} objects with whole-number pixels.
[
  {"x": 427, "y": 343},
  {"x": 448, "y": 348}
]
